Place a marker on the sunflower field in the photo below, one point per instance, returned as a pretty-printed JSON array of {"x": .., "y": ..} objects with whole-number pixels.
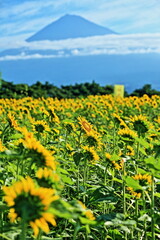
[{"x": 84, "y": 168}]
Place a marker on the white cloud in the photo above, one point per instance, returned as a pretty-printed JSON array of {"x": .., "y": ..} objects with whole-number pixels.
[
  {"x": 23, "y": 56},
  {"x": 25, "y": 8},
  {"x": 108, "y": 44}
]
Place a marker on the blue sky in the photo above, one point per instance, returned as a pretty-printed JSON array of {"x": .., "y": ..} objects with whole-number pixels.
[{"x": 22, "y": 18}]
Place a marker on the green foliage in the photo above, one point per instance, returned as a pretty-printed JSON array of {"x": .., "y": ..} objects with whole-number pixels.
[
  {"x": 38, "y": 90},
  {"x": 146, "y": 89}
]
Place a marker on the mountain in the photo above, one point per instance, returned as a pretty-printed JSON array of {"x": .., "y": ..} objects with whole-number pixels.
[
  {"x": 74, "y": 50},
  {"x": 69, "y": 26}
]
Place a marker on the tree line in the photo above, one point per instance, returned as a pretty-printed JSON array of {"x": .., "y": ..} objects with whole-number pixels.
[{"x": 38, "y": 89}]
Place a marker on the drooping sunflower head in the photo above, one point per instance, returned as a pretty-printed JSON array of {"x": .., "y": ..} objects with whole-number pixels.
[
  {"x": 90, "y": 154},
  {"x": 12, "y": 121},
  {"x": 53, "y": 115},
  {"x": 70, "y": 127},
  {"x": 44, "y": 157},
  {"x": 108, "y": 158},
  {"x": 127, "y": 134},
  {"x": 87, "y": 212},
  {"x": 93, "y": 139},
  {"x": 118, "y": 165},
  {"x": 48, "y": 179},
  {"x": 40, "y": 126},
  {"x": 141, "y": 124},
  {"x": 130, "y": 151},
  {"x": 135, "y": 193},
  {"x": 144, "y": 179},
  {"x": 69, "y": 149},
  {"x": 118, "y": 120},
  {"x": 41, "y": 156},
  {"x": 30, "y": 203}
]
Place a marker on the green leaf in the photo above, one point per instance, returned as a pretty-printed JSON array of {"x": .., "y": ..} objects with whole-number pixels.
[
  {"x": 63, "y": 209},
  {"x": 117, "y": 180},
  {"x": 145, "y": 217},
  {"x": 143, "y": 142},
  {"x": 132, "y": 183},
  {"x": 61, "y": 170},
  {"x": 5, "y": 237},
  {"x": 157, "y": 195},
  {"x": 153, "y": 164},
  {"x": 16, "y": 136},
  {"x": 3, "y": 206},
  {"x": 77, "y": 156},
  {"x": 114, "y": 157},
  {"x": 87, "y": 221},
  {"x": 104, "y": 193},
  {"x": 142, "y": 150},
  {"x": 66, "y": 179},
  {"x": 125, "y": 229}
]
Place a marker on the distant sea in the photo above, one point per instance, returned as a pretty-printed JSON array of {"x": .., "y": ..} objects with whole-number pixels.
[{"x": 133, "y": 71}]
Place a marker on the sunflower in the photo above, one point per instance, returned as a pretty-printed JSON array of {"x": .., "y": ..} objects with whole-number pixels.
[
  {"x": 85, "y": 125},
  {"x": 127, "y": 134},
  {"x": 91, "y": 154},
  {"x": 135, "y": 193},
  {"x": 12, "y": 122},
  {"x": 87, "y": 212},
  {"x": 130, "y": 151},
  {"x": 30, "y": 203},
  {"x": 144, "y": 181},
  {"x": 157, "y": 120},
  {"x": 44, "y": 156},
  {"x": 140, "y": 124},
  {"x": 70, "y": 127},
  {"x": 47, "y": 178},
  {"x": 53, "y": 115},
  {"x": 118, "y": 164},
  {"x": 154, "y": 104},
  {"x": 93, "y": 139},
  {"x": 118, "y": 120},
  {"x": 40, "y": 126},
  {"x": 2, "y": 148},
  {"x": 108, "y": 157}
]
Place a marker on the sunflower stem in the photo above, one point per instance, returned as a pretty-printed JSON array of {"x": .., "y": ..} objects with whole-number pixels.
[
  {"x": 76, "y": 229},
  {"x": 136, "y": 214},
  {"x": 137, "y": 157},
  {"x": 105, "y": 183},
  {"x": 78, "y": 180},
  {"x": 124, "y": 190},
  {"x": 24, "y": 227},
  {"x": 85, "y": 179},
  {"x": 144, "y": 208},
  {"x": 152, "y": 209},
  {"x": 39, "y": 235}
]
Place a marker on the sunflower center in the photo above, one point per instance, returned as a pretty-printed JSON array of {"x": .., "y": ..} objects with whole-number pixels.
[
  {"x": 140, "y": 126},
  {"x": 86, "y": 126},
  {"x": 39, "y": 128},
  {"x": 28, "y": 207}
]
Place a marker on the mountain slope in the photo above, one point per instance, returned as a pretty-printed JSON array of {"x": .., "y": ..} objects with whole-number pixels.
[{"x": 69, "y": 26}]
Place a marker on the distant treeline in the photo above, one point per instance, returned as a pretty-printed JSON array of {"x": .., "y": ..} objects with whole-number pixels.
[{"x": 11, "y": 90}]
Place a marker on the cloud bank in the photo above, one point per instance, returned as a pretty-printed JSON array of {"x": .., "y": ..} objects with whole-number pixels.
[{"x": 97, "y": 45}]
